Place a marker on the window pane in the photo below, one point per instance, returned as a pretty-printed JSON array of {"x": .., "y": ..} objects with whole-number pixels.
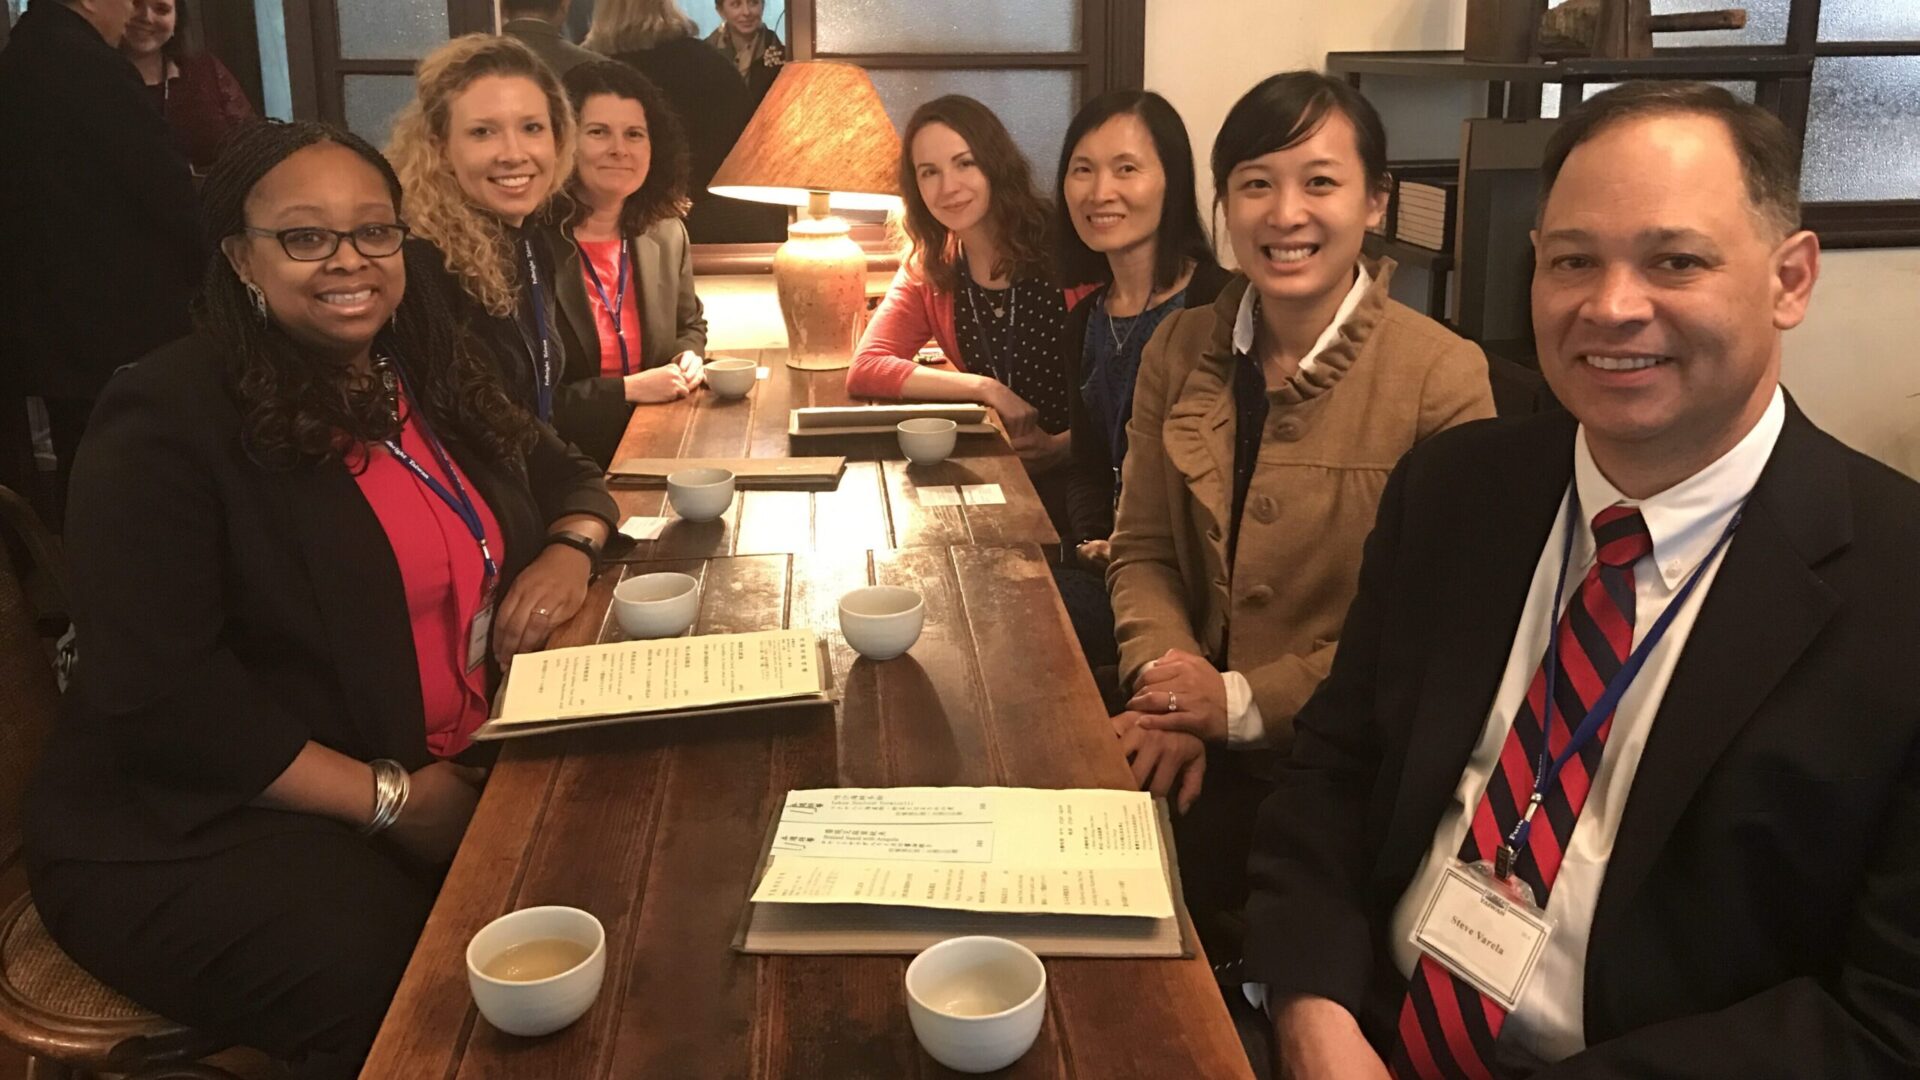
[
  {"x": 1869, "y": 20},
  {"x": 946, "y": 26},
  {"x": 1035, "y": 105},
  {"x": 371, "y": 101},
  {"x": 385, "y": 30},
  {"x": 1863, "y": 129}
]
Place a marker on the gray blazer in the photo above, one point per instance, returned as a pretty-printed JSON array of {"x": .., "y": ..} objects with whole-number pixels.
[
  {"x": 590, "y": 410},
  {"x": 545, "y": 39}
]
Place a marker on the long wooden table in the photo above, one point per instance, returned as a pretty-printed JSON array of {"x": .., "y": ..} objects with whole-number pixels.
[
  {"x": 656, "y": 827},
  {"x": 873, "y": 507}
]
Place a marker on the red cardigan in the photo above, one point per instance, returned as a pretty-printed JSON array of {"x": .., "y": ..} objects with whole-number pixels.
[{"x": 914, "y": 311}]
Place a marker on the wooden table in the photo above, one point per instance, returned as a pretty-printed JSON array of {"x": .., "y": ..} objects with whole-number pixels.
[
  {"x": 656, "y": 829},
  {"x": 874, "y": 506}
]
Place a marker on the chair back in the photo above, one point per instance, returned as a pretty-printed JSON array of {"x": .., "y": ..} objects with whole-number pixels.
[{"x": 29, "y": 693}]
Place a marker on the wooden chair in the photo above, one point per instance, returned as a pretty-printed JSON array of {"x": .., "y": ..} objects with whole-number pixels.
[{"x": 68, "y": 1023}]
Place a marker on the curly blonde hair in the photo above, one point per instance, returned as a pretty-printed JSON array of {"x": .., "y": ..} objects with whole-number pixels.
[
  {"x": 624, "y": 26},
  {"x": 474, "y": 242}
]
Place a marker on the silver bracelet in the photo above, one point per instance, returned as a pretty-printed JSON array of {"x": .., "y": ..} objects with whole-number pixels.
[{"x": 390, "y": 787}]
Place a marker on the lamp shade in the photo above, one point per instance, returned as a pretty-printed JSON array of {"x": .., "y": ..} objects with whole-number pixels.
[{"x": 820, "y": 128}]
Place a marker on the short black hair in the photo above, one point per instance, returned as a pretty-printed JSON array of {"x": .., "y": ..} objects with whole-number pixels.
[
  {"x": 535, "y": 7},
  {"x": 1284, "y": 110},
  {"x": 1768, "y": 160},
  {"x": 664, "y": 192},
  {"x": 1181, "y": 235}
]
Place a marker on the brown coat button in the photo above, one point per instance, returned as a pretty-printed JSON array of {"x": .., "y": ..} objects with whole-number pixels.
[
  {"x": 1265, "y": 510},
  {"x": 1260, "y": 595},
  {"x": 1289, "y": 430}
]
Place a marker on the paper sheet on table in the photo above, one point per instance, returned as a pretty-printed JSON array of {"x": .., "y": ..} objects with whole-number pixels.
[
  {"x": 1074, "y": 852},
  {"x": 662, "y": 675},
  {"x": 938, "y": 495},
  {"x": 644, "y": 528},
  {"x": 982, "y": 494}
]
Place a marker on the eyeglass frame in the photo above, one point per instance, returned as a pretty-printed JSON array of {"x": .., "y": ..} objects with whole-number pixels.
[{"x": 280, "y": 235}]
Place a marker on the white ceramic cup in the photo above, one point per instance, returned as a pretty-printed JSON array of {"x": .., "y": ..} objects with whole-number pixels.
[
  {"x": 976, "y": 1003},
  {"x": 543, "y": 1005},
  {"x": 700, "y": 494},
  {"x": 656, "y": 605},
  {"x": 927, "y": 440},
  {"x": 731, "y": 378},
  {"x": 882, "y": 621}
]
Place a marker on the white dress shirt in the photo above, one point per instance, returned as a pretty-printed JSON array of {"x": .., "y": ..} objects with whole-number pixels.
[
  {"x": 1244, "y": 724},
  {"x": 1685, "y": 521}
]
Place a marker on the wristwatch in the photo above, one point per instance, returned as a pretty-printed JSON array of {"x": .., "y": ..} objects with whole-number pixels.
[{"x": 579, "y": 542}]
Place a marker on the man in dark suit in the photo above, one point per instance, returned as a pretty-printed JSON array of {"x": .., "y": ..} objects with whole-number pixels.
[
  {"x": 100, "y": 228},
  {"x": 538, "y": 23},
  {"x": 1722, "y": 879}
]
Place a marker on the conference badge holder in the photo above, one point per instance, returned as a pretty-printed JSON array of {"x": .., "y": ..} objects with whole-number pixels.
[{"x": 1488, "y": 931}]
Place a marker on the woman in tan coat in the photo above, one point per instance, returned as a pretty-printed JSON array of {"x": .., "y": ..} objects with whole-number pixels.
[{"x": 1263, "y": 430}]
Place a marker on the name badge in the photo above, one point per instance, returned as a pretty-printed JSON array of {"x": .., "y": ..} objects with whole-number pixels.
[
  {"x": 479, "y": 635},
  {"x": 1484, "y": 930}
]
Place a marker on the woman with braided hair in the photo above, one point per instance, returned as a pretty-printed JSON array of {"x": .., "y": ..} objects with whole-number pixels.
[{"x": 302, "y": 538}]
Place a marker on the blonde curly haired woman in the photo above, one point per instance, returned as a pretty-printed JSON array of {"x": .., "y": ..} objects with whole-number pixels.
[{"x": 484, "y": 145}]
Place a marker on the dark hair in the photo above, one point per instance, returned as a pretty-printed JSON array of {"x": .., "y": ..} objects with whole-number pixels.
[
  {"x": 295, "y": 408},
  {"x": 1181, "y": 235},
  {"x": 664, "y": 193},
  {"x": 176, "y": 48},
  {"x": 1016, "y": 209},
  {"x": 1283, "y": 111},
  {"x": 537, "y": 7},
  {"x": 1768, "y": 161}
]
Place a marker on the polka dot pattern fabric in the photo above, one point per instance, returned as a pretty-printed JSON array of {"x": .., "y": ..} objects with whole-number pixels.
[{"x": 1012, "y": 335}]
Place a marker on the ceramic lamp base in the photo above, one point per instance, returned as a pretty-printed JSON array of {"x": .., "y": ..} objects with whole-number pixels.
[{"x": 821, "y": 277}]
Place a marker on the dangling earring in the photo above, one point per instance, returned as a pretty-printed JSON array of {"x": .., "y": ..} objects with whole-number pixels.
[{"x": 259, "y": 300}]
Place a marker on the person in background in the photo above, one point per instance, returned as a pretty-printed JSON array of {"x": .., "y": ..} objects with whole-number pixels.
[
  {"x": 1682, "y": 593},
  {"x": 976, "y": 281},
  {"x": 200, "y": 99},
  {"x": 99, "y": 226},
  {"x": 705, "y": 93},
  {"x": 634, "y": 328},
  {"x": 537, "y": 25},
  {"x": 746, "y": 40},
  {"x": 1125, "y": 215},
  {"x": 485, "y": 143},
  {"x": 1263, "y": 431},
  {"x": 242, "y": 820}
]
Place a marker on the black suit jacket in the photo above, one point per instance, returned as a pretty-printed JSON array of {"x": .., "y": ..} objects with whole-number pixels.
[
  {"x": 1760, "y": 915},
  {"x": 227, "y": 614},
  {"x": 589, "y": 409},
  {"x": 98, "y": 219},
  {"x": 510, "y": 341}
]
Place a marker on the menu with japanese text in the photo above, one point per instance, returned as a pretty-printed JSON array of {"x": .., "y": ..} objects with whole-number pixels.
[
  {"x": 669, "y": 675},
  {"x": 1068, "y": 852}
]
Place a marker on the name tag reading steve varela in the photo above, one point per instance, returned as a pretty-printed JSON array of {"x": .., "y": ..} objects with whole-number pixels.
[{"x": 1484, "y": 931}]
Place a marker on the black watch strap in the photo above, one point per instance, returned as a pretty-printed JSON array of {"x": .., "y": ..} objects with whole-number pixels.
[{"x": 579, "y": 542}]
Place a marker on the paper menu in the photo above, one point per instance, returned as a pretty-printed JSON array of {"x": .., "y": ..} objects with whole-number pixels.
[
  {"x": 1073, "y": 852},
  {"x": 665, "y": 675}
]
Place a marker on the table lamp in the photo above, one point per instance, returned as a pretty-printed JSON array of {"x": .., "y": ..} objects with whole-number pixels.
[{"x": 819, "y": 140}]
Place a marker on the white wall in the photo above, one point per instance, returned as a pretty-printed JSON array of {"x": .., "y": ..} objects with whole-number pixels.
[{"x": 1855, "y": 364}]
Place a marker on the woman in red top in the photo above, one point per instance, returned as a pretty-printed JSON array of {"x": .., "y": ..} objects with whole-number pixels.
[
  {"x": 633, "y": 328},
  {"x": 288, "y": 532},
  {"x": 976, "y": 281},
  {"x": 201, "y": 100}
]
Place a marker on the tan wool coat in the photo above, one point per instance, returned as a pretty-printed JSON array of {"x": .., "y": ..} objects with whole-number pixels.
[{"x": 1390, "y": 379}]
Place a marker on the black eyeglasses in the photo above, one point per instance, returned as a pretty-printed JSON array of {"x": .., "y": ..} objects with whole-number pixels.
[{"x": 312, "y": 244}]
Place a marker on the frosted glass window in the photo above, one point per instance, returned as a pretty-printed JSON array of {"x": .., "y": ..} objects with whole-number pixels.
[
  {"x": 390, "y": 30},
  {"x": 946, "y": 26},
  {"x": 1035, "y": 105},
  {"x": 1766, "y": 22},
  {"x": 371, "y": 101},
  {"x": 1550, "y": 95},
  {"x": 1869, "y": 20},
  {"x": 1863, "y": 129}
]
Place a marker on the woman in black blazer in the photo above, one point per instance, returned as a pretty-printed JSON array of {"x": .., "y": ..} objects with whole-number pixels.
[
  {"x": 622, "y": 259},
  {"x": 1127, "y": 217},
  {"x": 242, "y": 820}
]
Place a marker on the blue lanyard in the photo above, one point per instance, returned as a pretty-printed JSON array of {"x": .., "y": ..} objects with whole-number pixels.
[
  {"x": 1547, "y": 771},
  {"x": 456, "y": 499},
  {"x": 619, "y": 303},
  {"x": 543, "y": 364}
]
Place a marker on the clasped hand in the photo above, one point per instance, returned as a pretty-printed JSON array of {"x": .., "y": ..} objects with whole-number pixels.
[
  {"x": 1182, "y": 692},
  {"x": 547, "y": 593}
]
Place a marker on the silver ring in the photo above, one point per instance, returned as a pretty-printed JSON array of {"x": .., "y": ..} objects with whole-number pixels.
[
  {"x": 1173, "y": 702},
  {"x": 540, "y": 611}
]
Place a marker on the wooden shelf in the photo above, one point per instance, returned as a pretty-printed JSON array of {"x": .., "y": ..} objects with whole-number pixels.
[
  {"x": 1438, "y": 262},
  {"x": 1672, "y": 64}
]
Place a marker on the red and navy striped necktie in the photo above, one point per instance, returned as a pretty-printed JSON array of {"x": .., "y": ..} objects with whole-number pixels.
[{"x": 1447, "y": 1027}]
